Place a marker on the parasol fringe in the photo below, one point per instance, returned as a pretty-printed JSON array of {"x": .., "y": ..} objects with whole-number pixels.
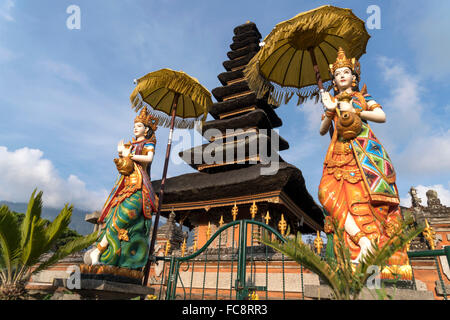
[
  {"x": 165, "y": 119},
  {"x": 276, "y": 93},
  {"x": 174, "y": 81}
]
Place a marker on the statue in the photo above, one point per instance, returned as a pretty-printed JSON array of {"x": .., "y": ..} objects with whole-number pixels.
[
  {"x": 126, "y": 216},
  {"x": 433, "y": 200},
  {"x": 415, "y": 200},
  {"x": 357, "y": 188}
]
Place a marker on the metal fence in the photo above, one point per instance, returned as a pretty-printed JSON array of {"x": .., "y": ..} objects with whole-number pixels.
[{"x": 243, "y": 268}]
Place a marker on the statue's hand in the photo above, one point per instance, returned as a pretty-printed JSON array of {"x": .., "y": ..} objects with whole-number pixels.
[
  {"x": 366, "y": 247},
  {"x": 120, "y": 147},
  {"x": 329, "y": 104}
]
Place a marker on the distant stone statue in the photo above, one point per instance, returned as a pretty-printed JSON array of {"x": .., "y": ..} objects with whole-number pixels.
[
  {"x": 432, "y": 199},
  {"x": 415, "y": 200}
]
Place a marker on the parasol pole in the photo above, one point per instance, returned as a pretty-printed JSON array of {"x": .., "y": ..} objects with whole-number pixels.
[
  {"x": 161, "y": 192},
  {"x": 319, "y": 81}
]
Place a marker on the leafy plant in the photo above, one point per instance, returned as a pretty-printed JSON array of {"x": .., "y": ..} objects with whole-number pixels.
[
  {"x": 344, "y": 278},
  {"x": 23, "y": 244}
]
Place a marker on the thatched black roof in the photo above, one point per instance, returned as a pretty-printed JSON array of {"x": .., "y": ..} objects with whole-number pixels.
[
  {"x": 244, "y": 146},
  {"x": 240, "y": 182},
  {"x": 220, "y": 108},
  {"x": 251, "y": 48},
  {"x": 240, "y": 44},
  {"x": 245, "y": 35},
  {"x": 257, "y": 118},
  {"x": 224, "y": 77},
  {"x": 242, "y": 61},
  {"x": 225, "y": 91},
  {"x": 246, "y": 27}
]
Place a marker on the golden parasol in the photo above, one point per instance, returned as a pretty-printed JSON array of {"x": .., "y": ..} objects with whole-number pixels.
[
  {"x": 296, "y": 54},
  {"x": 177, "y": 100}
]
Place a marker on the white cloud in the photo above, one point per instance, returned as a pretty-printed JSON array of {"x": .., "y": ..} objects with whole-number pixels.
[
  {"x": 443, "y": 195},
  {"x": 6, "y": 55},
  {"x": 6, "y": 7},
  {"x": 64, "y": 71},
  {"x": 25, "y": 169},
  {"x": 407, "y": 134}
]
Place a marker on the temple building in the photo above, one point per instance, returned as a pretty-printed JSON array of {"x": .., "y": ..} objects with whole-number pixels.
[{"x": 240, "y": 164}]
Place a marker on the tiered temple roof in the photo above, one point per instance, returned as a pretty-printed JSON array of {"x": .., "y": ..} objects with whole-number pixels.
[{"x": 239, "y": 179}]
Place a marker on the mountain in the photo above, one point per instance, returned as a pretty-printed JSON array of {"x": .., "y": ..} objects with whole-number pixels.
[{"x": 77, "y": 223}]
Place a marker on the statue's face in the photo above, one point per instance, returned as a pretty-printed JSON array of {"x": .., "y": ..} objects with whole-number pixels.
[
  {"x": 343, "y": 78},
  {"x": 140, "y": 130}
]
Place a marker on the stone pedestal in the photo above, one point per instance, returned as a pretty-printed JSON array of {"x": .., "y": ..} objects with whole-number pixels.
[{"x": 94, "y": 289}]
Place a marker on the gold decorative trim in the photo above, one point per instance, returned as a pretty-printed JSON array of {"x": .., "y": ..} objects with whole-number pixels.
[
  {"x": 105, "y": 269},
  {"x": 236, "y": 81},
  {"x": 234, "y": 134},
  {"x": 262, "y": 197},
  {"x": 238, "y": 95},
  {"x": 392, "y": 272},
  {"x": 235, "y": 112},
  {"x": 205, "y": 166},
  {"x": 238, "y": 68}
]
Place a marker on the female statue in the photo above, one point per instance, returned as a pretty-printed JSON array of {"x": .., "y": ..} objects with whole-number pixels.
[
  {"x": 358, "y": 187},
  {"x": 126, "y": 215}
]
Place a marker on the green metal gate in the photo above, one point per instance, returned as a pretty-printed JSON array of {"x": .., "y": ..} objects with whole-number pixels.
[{"x": 241, "y": 287}]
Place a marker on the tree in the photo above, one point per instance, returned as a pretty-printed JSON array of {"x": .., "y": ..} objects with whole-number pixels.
[
  {"x": 344, "y": 278},
  {"x": 22, "y": 245}
]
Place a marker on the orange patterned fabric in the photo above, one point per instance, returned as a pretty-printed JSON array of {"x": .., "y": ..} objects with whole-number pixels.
[{"x": 342, "y": 191}]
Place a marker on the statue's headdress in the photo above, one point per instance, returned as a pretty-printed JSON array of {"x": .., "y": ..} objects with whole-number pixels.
[
  {"x": 342, "y": 61},
  {"x": 147, "y": 119}
]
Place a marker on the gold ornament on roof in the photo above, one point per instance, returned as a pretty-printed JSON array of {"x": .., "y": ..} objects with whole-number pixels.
[
  {"x": 208, "y": 231},
  {"x": 267, "y": 218},
  {"x": 234, "y": 211},
  {"x": 221, "y": 222},
  {"x": 183, "y": 247},
  {"x": 342, "y": 62},
  {"x": 167, "y": 248},
  {"x": 253, "y": 210},
  {"x": 429, "y": 234},
  {"x": 318, "y": 243},
  {"x": 194, "y": 247},
  {"x": 282, "y": 225},
  {"x": 147, "y": 119}
]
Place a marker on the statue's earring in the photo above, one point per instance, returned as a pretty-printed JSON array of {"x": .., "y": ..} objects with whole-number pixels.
[
  {"x": 335, "y": 87},
  {"x": 354, "y": 83}
]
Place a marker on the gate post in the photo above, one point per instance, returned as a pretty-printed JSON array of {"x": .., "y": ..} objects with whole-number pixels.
[{"x": 241, "y": 292}]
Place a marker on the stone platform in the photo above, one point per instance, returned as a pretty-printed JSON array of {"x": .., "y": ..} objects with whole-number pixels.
[
  {"x": 324, "y": 292},
  {"x": 95, "y": 289}
]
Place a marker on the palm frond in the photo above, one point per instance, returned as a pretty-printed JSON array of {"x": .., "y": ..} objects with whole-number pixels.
[
  {"x": 56, "y": 228},
  {"x": 34, "y": 247},
  {"x": 301, "y": 253},
  {"x": 9, "y": 239},
  {"x": 379, "y": 256},
  {"x": 33, "y": 210},
  {"x": 69, "y": 248}
]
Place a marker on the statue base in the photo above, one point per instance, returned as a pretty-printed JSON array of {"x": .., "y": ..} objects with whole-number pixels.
[{"x": 111, "y": 273}]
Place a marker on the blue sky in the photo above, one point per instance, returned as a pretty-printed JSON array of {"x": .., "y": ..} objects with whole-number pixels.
[{"x": 65, "y": 93}]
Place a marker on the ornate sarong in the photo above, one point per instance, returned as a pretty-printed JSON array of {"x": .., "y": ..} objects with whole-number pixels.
[{"x": 359, "y": 179}]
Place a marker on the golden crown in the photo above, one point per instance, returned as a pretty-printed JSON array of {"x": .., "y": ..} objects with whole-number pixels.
[
  {"x": 147, "y": 119},
  {"x": 342, "y": 62}
]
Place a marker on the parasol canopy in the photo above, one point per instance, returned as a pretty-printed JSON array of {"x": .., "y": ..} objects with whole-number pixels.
[
  {"x": 163, "y": 89},
  {"x": 296, "y": 54}
]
